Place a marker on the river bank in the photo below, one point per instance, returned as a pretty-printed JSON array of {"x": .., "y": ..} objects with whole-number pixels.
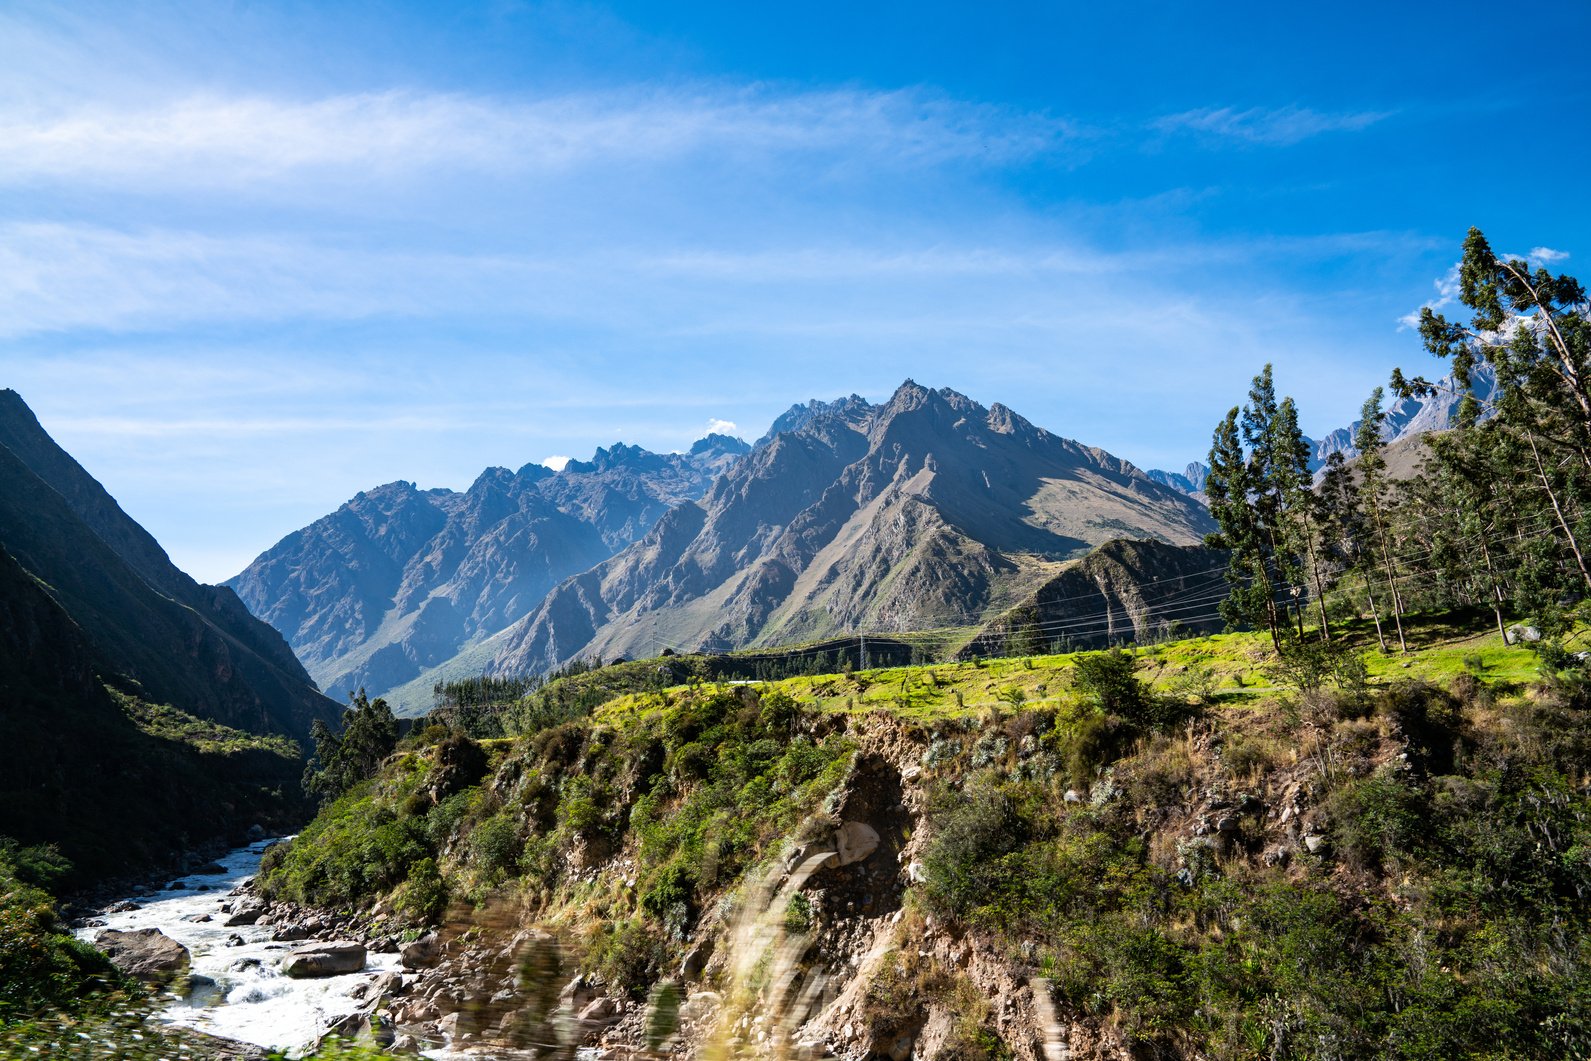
[{"x": 235, "y": 988}]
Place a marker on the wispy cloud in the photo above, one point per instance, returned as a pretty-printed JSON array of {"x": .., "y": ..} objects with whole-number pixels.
[
  {"x": 1273, "y": 126},
  {"x": 715, "y": 426},
  {"x": 229, "y": 140},
  {"x": 1546, "y": 255},
  {"x": 1446, "y": 296}
]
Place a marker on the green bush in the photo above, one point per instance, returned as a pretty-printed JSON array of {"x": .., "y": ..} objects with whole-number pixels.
[
  {"x": 41, "y": 965},
  {"x": 973, "y": 831},
  {"x": 495, "y": 846},
  {"x": 1377, "y": 820},
  {"x": 423, "y": 897},
  {"x": 628, "y": 957},
  {"x": 672, "y": 894}
]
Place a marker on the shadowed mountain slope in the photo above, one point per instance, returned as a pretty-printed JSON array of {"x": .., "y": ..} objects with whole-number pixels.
[
  {"x": 192, "y": 646},
  {"x": 1124, "y": 591},
  {"x": 928, "y": 510},
  {"x": 117, "y": 784}
]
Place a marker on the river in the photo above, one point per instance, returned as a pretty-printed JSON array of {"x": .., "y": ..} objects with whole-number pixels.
[{"x": 251, "y": 1001}]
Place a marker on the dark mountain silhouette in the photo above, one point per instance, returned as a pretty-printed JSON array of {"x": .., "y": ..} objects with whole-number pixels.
[{"x": 192, "y": 646}]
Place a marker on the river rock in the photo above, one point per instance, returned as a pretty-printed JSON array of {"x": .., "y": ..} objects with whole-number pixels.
[
  {"x": 855, "y": 841},
  {"x": 423, "y": 953},
  {"x": 695, "y": 962},
  {"x": 126, "y": 906},
  {"x": 603, "y": 1010},
  {"x": 290, "y": 933},
  {"x": 245, "y": 913},
  {"x": 325, "y": 959},
  {"x": 210, "y": 870},
  {"x": 145, "y": 953}
]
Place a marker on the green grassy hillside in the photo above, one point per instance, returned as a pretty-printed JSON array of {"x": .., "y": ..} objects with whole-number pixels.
[{"x": 1190, "y": 850}]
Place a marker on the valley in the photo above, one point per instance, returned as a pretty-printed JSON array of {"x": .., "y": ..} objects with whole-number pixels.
[{"x": 912, "y": 730}]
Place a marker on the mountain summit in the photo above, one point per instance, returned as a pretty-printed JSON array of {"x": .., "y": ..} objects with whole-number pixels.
[
  {"x": 400, "y": 579},
  {"x": 925, "y": 511}
]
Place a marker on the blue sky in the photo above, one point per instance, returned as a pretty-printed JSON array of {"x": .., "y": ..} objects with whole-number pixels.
[{"x": 257, "y": 257}]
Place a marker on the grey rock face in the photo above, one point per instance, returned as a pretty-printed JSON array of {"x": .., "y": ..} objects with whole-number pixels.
[
  {"x": 147, "y": 954},
  {"x": 325, "y": 959}
]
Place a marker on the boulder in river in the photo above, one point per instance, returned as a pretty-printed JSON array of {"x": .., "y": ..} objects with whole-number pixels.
[
  {"x": 145, "y": 953},
  {"x": 423, "y": 953},
  {"x": 325, "y": 959},
  {"x": 245, "y": 913}
]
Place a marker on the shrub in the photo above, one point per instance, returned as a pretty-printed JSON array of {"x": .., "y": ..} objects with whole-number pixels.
[
  {"x": 672, "y": 896},
  {"x": 972, "y": 830},
  {"x": 424, "y": 895},
  {"x": 495, "y": 846},
  {"x": 1378, "y": 819},
  {"x": 1110, "y": 680},
  {"x": 798, "y": 915},
  {"x": 627, "y": 956},
  {"x": 1306, "y": 665}
]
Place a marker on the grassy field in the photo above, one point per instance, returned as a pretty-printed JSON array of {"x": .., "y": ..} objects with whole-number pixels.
[{"x": 1235, "y": 668}]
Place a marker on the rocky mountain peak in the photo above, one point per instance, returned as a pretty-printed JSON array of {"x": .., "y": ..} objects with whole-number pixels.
[
  {"x": 853, "y": 411},
  {"x": 715, "y": 444}
]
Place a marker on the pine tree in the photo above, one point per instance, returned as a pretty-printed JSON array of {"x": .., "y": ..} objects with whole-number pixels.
[
  {"x": 1258, "y": 493},
  {"x": 1251, "y": 599},
  {"x": 1372, "y": 467},
  {"x": 1534, "y": 330}
]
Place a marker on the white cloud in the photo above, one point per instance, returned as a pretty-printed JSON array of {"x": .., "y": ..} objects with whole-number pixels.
[
  {"x": 716, "y": 426},
  {"x": 236, "y": 141},
  {"x": 556, "y": 462},
  {"x": 1446, "y": 296},
  {"x": 1546, "y": 255},
  {"x": 1278, "y": 126}
]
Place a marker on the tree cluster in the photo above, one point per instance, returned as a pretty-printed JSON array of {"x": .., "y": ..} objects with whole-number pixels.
[{"x": 1494, "y": 517}]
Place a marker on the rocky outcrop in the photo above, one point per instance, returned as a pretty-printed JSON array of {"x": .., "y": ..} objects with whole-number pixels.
[{"x": 147, "y": 954}]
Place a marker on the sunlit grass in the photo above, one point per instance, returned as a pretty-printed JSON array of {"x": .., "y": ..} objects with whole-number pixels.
[{"x": 1237, "y": 665}]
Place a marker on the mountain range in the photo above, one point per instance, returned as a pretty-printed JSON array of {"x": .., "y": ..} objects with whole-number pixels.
[
  {"x": 399, "y": 579},
  {"x": 927, "y": 510}
]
